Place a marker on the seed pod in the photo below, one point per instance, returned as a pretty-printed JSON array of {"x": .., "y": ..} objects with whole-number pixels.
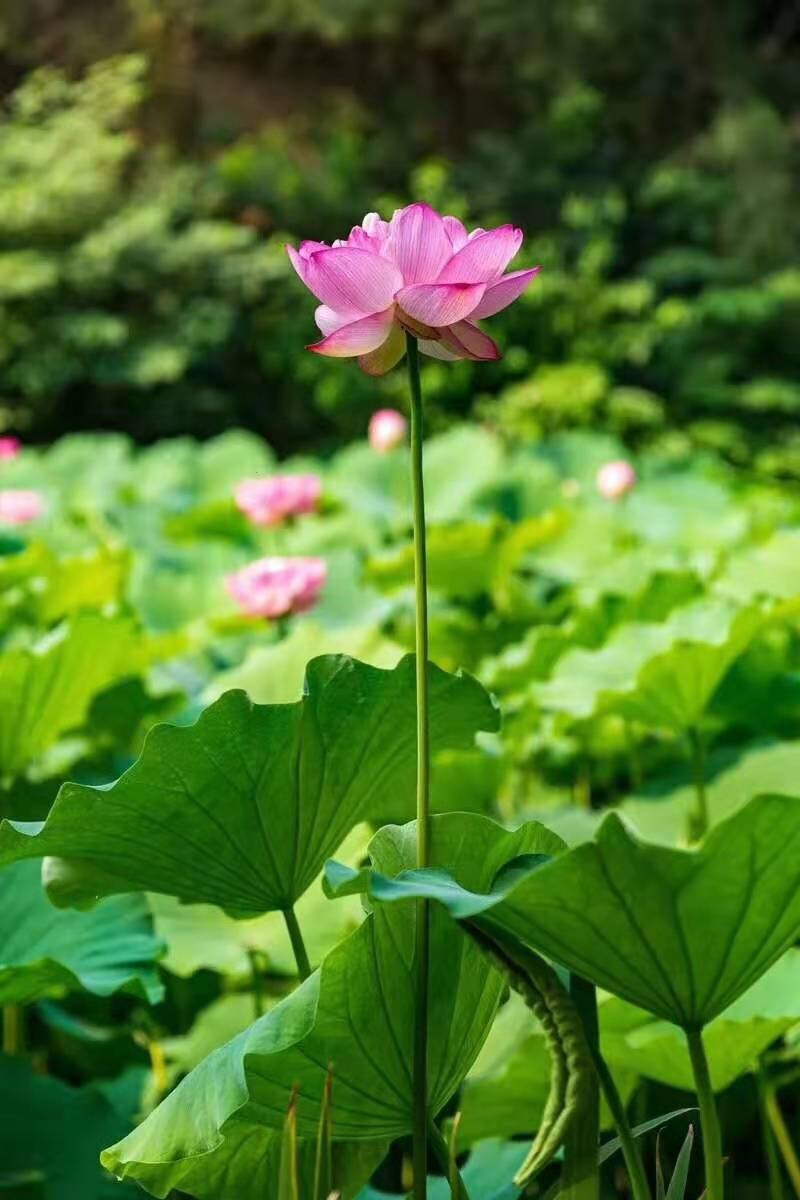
[{"x": 572, "y": 1069}]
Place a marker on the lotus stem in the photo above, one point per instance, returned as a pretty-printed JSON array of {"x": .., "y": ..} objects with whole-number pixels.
[
  {"x": 446, "y": 1160},
  {"x": 422, "y": 927},
  {"x": 770, "y": 1142},
  {"x": 637, "y": 1175},
  {"x": 709, "y": 1117},
  {"x": 13, "y": 1029},
  {"x": 298, "y": 945},
  {"x": 580, "y": 1179},
  {"x": 783, "y": 1138}
]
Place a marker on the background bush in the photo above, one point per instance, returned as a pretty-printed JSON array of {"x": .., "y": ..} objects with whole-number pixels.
[{"x": 152, "y": 169}]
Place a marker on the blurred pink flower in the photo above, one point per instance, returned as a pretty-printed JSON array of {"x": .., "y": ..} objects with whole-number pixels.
[
  {"x": 616, "y": 479},
  {"x": 273, "y": 587},
  {"x": 9, "y": 448},
  {"x": 270, "y": 501},
  {"x": 17, "y": 507},
  {"x": 419, "y": 272},
  {"x": 387, "y": 429}
]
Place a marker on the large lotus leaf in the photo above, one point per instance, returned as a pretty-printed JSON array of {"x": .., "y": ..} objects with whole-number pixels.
[
  {"x": 771, "y": 570},
  {"x": 242, "y": 809},
  {"x": 660, "y": 813},
  {"x": 459, "y": 465},
  {"x": 507, "y": 1088},
  {"x": 172, "y": 584},
  {"x": 687, "y": 511},
  {"x": 347, "y": 599},
  {"x": 586, "y": 541},
  {"x": 461, "y": 560},
  {"x": 249, "y": 1166},
  {"x": 202, "y": 936},
  {"x": 38, "y": 587},
  {"x": 46, "y": 951},
  {"x": 661, "y": 674},
  {"x": 224, "y": 461},
  {"x": 733, "y": 1041},
  {"x": 86, "y": 468},
  {"x": 647, "y": 592},
  {"x": 356, "y": 1012},
  {"x": 53, "y": 1134},
  {"x": 46, "y": 690},
  {"x": 274, "y": 674},
  {"x": 680, "y": 933}
]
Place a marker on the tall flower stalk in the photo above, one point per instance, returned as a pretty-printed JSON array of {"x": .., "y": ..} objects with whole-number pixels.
[
  {"x": 417, "y": 283},
  {"x": 422, "y": 927}
]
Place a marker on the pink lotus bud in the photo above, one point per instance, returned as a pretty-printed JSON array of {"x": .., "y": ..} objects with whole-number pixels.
[
  {"x": 615, "y": 479},
  {"x": 17, "y": 507},
  {"x": 387, "y": 429},
  {"x": 273, "y": 587},
  {"x": 270, "y": 501},
  {"x": 9, "y": 448},
  {"x": 419, "y": 273}
]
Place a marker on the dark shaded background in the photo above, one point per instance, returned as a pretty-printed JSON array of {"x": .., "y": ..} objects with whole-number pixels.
[{"x": 156, "y": 154}]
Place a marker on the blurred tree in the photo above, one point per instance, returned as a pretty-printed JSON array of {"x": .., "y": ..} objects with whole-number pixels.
[{"x": 654, "y": 148}]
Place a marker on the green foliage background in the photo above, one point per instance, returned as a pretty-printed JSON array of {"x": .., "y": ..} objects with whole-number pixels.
[{"x": 154, "y": 159}]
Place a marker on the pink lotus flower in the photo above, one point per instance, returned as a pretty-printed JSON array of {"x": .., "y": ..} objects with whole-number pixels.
[
  {"x": 419, "y": 272},
  {"x": 270, "y": 501},
  {"x": 18, "y": 507},
  {"x": 615, "y": 479},
  {"x": 387, "y": 429},
  {"x": 9, "y": 448},
  {"x": 273, "y": 587}
]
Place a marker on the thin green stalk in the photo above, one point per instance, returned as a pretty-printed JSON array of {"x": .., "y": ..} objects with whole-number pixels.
[
  {"x": 446, "y": 1161},
  {"x": 768, "y": 1137},
  {"x": 422, "y": 935},
  {"x": 698, "y": 817},
  {"x": 709, "y": 1117},
  {"x": 13, "y": 1029},
  {"x": 630, "y": 1145},
  {"x": 298, "y": 945},
  {"x": 580, "y": 1179},
  {"x": 783, "y": 1138}
]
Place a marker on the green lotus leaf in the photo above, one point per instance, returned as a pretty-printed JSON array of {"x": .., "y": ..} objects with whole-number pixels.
[
  {"x": 661, "y": 674},
  {"x": 771, "y": 570},
  {"x": 680, "y": 933},
  {"x": 201, "y": 936},
  {"x": 365, "y": 1031},
  {"x": 461, "y": 559},
  {"x": 242, "y": 809},
  {"x": 660, "y": 813},
  {"x": 250, "y": 1165},
  {"x": 274, "y": 674},
  {"x": 52, "y": 1134},
  {"x": 46, "y": 689},
  {"x": 687, "y": 511},
  {"x": 39, "y": 587},
  {"x": 46, "y": 951},
  {"x": 459, "y": 465},
  {"x": 632, "y": 1040}
]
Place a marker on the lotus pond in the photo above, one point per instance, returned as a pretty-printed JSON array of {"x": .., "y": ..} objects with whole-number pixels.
[{"x": 208, "y": 844}]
